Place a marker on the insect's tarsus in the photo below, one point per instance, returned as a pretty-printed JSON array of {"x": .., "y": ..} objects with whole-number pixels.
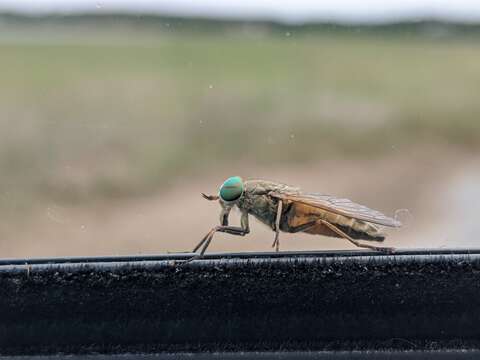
[
  {"x": 355, "y": 242},
  {"x": 276, "y": 242},
  {"x": 233, "y": 230}
]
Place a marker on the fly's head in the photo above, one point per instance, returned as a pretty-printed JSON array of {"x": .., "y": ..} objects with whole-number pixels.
[{"x": 229, "y": 193}]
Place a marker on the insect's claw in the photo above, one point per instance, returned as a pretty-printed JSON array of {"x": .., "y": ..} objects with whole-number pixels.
[
  {"x": 275, "y": 243},
  {"x": 196, "y": 257}
]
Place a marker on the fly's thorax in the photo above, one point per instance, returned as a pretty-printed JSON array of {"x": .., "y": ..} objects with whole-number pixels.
[
  {"x": 251, "y": 197},
  {"x": 263, "y": 187},
  {"x": 261, "y": 206},
  {"x": 256, "y": 199}
]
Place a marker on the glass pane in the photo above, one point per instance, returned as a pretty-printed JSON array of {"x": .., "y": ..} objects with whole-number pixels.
[{"x": 116, "y": 115}]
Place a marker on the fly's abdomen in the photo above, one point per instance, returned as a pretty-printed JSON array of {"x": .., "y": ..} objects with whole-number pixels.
[
  {"x": 299, "y": 214},
  {"x": 357, "y": 229}
]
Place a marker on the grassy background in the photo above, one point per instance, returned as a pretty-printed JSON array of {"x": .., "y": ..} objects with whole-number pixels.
[
  {"x": 85, "y": 117},
  {"x": 109, "y": 132}
]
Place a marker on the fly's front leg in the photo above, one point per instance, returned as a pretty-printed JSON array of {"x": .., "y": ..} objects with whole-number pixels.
[
  {"x": 224, "y": 216},
  {"x": 223, "y": 221},
  {"x": 276, "y": 242},
  {"x": 233, "y": 230}
]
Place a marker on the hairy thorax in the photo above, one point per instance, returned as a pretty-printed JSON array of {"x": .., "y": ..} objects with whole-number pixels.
[{"x": 257, "y": 202}]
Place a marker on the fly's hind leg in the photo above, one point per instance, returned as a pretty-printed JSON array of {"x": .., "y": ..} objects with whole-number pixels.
[
  {"x": 342, "y": 234},
  {"x": 353, "y": 241},
  {"x": 276, "y": 242},
  {"x": 205, "y": 239}
]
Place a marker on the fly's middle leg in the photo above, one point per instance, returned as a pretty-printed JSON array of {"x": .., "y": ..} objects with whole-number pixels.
[{"x": 276, "y": 242}]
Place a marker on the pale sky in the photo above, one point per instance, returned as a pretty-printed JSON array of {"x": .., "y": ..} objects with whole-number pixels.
[{"x": 283, "y": 10}]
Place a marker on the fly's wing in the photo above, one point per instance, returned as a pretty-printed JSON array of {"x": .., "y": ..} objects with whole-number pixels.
[{"x": 343, "y": 207}]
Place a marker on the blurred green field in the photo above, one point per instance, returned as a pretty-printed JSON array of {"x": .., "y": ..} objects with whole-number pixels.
[{"x": 98, "y": 116}]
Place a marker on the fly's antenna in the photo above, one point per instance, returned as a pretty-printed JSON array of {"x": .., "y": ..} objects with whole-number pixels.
[{"x": 210, "y": 197}]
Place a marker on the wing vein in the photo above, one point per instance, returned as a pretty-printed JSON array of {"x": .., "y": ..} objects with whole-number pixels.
[{"x": 339, "y": 206}]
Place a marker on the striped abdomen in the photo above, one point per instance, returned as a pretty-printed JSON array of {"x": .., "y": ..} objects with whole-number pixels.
[{"x": 297, "y": 214}]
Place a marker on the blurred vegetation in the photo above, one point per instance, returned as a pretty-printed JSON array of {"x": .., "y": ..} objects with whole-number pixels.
[{"x": 93, "y": 109}]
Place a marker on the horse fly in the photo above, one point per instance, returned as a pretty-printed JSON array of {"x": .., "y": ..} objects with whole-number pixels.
[{"x": 288, "y": 209}]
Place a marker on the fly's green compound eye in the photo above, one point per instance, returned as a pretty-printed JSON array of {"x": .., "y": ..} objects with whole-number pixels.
[{"x": 231, "y": 189}]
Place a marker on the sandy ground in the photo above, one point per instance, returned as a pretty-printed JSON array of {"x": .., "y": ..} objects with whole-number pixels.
[{"x": 440, "y": 192}]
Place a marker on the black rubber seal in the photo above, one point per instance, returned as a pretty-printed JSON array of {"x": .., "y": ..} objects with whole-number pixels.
[{"x": 351, "y": 300}]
